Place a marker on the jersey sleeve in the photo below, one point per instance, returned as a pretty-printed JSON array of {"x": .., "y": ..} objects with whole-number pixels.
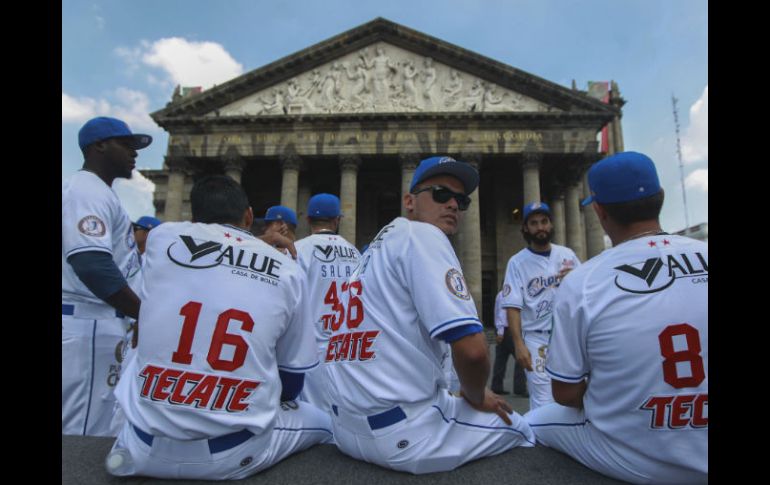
[
  {"x": 86, "y": 222},
  {"x": 513, "y": 286},
  {"x": 295, "y": 350},
  {"x": 567, "y": 358},
  {"x": 435, "y": 280}
]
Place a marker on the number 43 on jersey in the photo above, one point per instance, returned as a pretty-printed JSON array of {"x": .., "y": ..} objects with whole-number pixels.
[{"x": 352, "y": 344}]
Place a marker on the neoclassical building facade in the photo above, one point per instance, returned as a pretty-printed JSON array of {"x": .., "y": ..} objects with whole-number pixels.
[{"x": 353, "y": 115}]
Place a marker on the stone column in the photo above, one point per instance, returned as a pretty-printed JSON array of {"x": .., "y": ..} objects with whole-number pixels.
[
  {"x": 178, "y": 169},
  {"x": 409, "y": 163},
  {"x": 290, "y": 163},
  {"x": 575, "y": 236},
  {"x": 303, "y": 228},
  {"x": 531, "y": 171},
  {"x": 559, "y": 226},
  {"x": 348, "y": 189},
  {"x": 234, "y": 168},
  {"x": 594, "y": 231},
  {"x": 470, "y": 240}
]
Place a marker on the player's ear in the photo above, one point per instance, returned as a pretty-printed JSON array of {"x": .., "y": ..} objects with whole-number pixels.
[
  {"x": 409, "y": 202},
  {"x": 248, "y": 218},
  {"x": 601, "y": 213}
]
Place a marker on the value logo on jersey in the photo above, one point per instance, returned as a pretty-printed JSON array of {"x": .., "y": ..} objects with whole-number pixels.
[
  {"x": 327, "y": 254},
  {"x": 455, "y": 282},
  {"x": 506, "y": 290},
  {"x": 92, "y": 226},
  {"x": 208, "y": 254},
  {"x": 657, "y": 274}
]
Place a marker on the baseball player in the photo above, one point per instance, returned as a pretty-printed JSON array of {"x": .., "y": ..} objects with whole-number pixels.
[
  {"x": 328, "y": 261},
  {"x": 224, "y": 340},
  {"x": 98, "y": 256},
  {"x": 142, "y": 228},
  {"x": 629, "y": 350},
  {"x": 282, "y": 220},
  {"x": 531, "y": 279},
  {"x": 503, "y": 350},
  {"x": 404, "y": 306}
]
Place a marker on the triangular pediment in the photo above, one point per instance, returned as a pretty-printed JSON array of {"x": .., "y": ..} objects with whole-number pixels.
[
  {"x": 382, "y": 67},
  {"x": 382, "y": 78}
]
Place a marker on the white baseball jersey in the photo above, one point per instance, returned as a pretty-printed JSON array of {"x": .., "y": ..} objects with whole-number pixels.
[
  {"x": 93, "y": 220},
  {"x": 408, "y": 289},
  {"x": 93, "y": 336},
  {"x": 530, "y": 283},
  {"x": 328, "y": 260},
  {"x": 390, "y": 400},
  {"x": 220, "y": 315},
  {"x": 634, "y": 321}
]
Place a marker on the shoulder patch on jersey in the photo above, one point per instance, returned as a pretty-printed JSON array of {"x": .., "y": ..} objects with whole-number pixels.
[
  {"x": 455, "y": 282},
  {"x": 506, "y": 289},
  {"x": 92, "y": 226}
]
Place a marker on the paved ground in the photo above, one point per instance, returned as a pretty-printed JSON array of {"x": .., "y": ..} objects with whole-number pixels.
[{"x": 83, "y": 463}]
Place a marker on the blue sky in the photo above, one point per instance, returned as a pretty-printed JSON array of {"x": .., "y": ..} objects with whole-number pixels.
[{"x": 123, "y": 58}]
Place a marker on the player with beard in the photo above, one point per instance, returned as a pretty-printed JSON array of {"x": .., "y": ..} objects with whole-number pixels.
[{"x": 531, "y": 279}]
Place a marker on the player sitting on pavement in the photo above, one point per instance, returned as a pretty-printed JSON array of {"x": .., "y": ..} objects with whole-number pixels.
[
  {"x": 328, "y": 261},
  {"x": 142, "y": 229},
  {"x": 281, "y": 220},
  {"x": 629, "y": 350},
  {"x": 406, "y": 303},
  {"x": 531, "y": 281},
  {"x": 224, "y": 340}
]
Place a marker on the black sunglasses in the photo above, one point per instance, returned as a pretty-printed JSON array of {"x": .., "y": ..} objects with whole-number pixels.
[{"x": 442, "y": 194}]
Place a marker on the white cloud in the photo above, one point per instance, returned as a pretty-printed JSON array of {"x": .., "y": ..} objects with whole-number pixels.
[
  {"x": 695, "y": 142},
  {"x": 81, "y": 109},
  {"x": 131, "y": 106},
  {"x": 698, "y": 179},
  {"x": 190, "y": 63},
  {"x": 136, "y": 195}
]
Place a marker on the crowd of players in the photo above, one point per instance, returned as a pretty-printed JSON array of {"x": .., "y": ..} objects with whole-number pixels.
[{"x": 215, "y": 348}]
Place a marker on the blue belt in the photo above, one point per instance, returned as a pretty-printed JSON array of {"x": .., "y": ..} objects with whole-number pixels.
[
  {"x": 381, "y": 420},
  {"x": 540, "y": 331},
  {"x": 68, "y": 309},
  {"x": 216, "y": 445}
]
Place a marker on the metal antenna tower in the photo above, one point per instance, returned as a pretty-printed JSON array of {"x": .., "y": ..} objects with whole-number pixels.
[{"x": 681, "y": 166}]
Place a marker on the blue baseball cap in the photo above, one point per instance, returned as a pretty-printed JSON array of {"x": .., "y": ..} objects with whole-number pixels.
[
  {"x": 622, "y": 177},
  {"x": 323, "y": 205},
  {"x": 147, "y": 222},
  {"x": 535, "y": 207},
  {"x": 103, "y": 128},
  {"x": 281, "y": 213},
  {"x": 432, "y": 166}
]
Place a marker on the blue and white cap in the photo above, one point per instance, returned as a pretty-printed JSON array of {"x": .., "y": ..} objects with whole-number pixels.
[
  {"x": 535, "y": 207},
  {"x": 147, "y": 222},
  {"x": 103, "y": 128},
  {"x": 281, "y": 213},
  {"x": 432, "y": 166},
  {"x": 622, "y": 177},
  {"x": 323, "y": 205}
]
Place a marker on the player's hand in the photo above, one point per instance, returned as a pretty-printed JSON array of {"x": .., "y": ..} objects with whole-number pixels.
[
  {"x": 563, "y": 273},
  {"x": 523, "y": 357},
  {"x": 280, "y": 241},
  {"x": 135, "y": 334},
  {"x": 492, "y": 404},
  {"x": 499, "y": 339}
]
